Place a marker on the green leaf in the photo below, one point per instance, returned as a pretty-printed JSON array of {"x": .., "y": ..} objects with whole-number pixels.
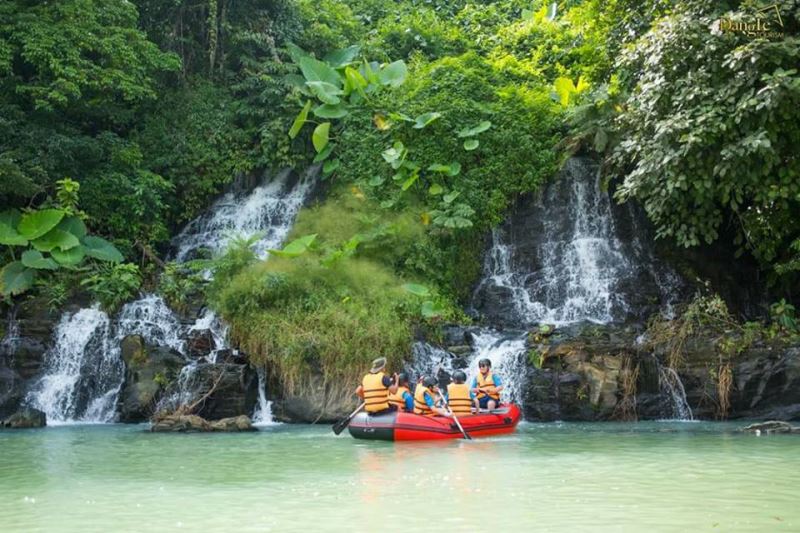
[
  {"x": 325, "y": 91},
  {"x": 395, "y": 155},
  {"x": 394, "y": 74},
  {"x": 15, "y": 278},
  {"x": 55, "y": 238},
  {"x": 323, "y": 155},
  {"x": 376, "y": 181},
  {"x": 296, "y": 247},
  {"x": 449, "y": 197},
  {"x": 73, "y": 225},
  {"x": 101, "y": 249},
  {"x": 35, "y": 259},
  {"x": 400, "y": 116},
  {"x": 471, "y": 144},
  {"x": 431, "y": 310},
  {"x": 435, "y": 189},
  {"x": 296, "y": 53},
  {"x": 340, "y": 58},
  {"x": 10, "y": 237},
  {"x": 354, "y": 81},
  {"x": 600, "y": 140},
  {"x": 300, "y": 120},
  {"x": 564, "y": 89},
  {"x": 315, "y": 70},
  {"x": 10, "y": 217},
  {"x": 330, "y": 111},
  {"x": 451, "y": 170},
  {"x": 424, "y": 119},
  {"x": 35, "y": 224},
  {"x": 71, "y": 257},
  {"x": 320, "y": 136},
  {"x": 476, "y": 129},
  {"x": 330, "y": 167},
  {"x": 298, "y": 82},
  {"x": 416, "y": 289},
  {"x": 410, "y": 181}
]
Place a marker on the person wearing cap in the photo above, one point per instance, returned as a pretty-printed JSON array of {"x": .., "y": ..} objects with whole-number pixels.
[
  {"x": 402, "y": 399},
  {"x": 425, "y": 398},
  {"x": 459, "y": 397},
  {"x": 376, "y": 387},
  {"x": 486, "y": 386}
]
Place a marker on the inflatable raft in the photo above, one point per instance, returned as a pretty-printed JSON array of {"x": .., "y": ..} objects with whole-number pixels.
[{"x": 408, "y": 426}]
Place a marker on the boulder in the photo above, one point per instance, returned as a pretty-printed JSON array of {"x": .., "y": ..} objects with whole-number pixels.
[
  {"x": 180, "y": 424},
  {"x": 229, "y": 390},
  {"x": 200, "y": 343},
  {"x": 233, "y": 424},
  {"x": 27, "y": 417},
  {"x": 770, "y": 427},
  {"x": 148, "y": 370}
]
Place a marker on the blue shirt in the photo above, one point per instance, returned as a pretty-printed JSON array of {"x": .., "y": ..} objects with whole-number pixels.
[{"x": 409, "y": 399}]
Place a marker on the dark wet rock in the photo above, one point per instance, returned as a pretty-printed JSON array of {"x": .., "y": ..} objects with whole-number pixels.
[
  {"x": 11, "y": 391},
  {"x": 771, "y": 427},
  {"x": 229, "y": 390},
  {"x": 27, "y": 417},
  {"x": 148, "y": 370},
  {"x": 200, "y": 343},
  {"x": 313, "y": 400}
]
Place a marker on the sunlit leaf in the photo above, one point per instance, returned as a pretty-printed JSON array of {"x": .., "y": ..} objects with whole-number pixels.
[
  {"x": 410, "y": 181},
  {"x": 426, "y": 118},
  {"x": 340, "y": 58},
  {"x": 476, "y": 129},
  {"x": 296, "y": 247},
  {"x": 35, "y": 224},
  {"x": 330, "y": 111},
  {"x": 435, "y": 189},
  {"x": 471, "y": 144},
  {"x": 416, "y": 289},
  {"x": 394, "y": 74},
  {"x": 325, "y": 91},
  {"x": 55, "y": 238},
  {"x": 10, "y": 237},
  {"x": 315, "y": 70},
  {"x": 71, "y": 257},
  {"x": 324, "y": 154},
  {"x": 300, "y": 120},
  {"x": 320, "y": 136},
  {"x": 380, "y": 122}
]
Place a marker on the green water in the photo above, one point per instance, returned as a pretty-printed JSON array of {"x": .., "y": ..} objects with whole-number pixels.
[{"x": 546, "y": 477}]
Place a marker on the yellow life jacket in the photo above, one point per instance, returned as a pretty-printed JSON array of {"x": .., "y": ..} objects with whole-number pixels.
[
  {"x": 397, "y": 398},
  {"x": 487, "y": 383},
  {"x": 376, "y": 395},
  {"x": 458, "y": 399},
  {"x": 420, "y": 407}
]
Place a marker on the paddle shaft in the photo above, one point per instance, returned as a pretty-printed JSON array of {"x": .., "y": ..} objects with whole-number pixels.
[
  {"x": 339, "y": 426},
  {"x": 455, "y": 418}
]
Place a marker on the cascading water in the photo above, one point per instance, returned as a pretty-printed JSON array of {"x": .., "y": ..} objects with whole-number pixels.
[
  {"x": 84, "y": 371},
  {"x": 672, "y": 387},
  {"x": 81, "y": 350},
  {"x": 562, "y": 261}
]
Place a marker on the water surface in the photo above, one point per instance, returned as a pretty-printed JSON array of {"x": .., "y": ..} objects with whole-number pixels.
[{"x": 656, "y": 476}]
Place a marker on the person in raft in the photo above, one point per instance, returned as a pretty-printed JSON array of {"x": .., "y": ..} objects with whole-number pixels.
[
  {"x": 459, "y": 397},
  {"x": 403, "y": 400},
  {"x": 486, "y": 386},
  {"x": 376, "y": 387},
  {"x": 425, "y": 398}
]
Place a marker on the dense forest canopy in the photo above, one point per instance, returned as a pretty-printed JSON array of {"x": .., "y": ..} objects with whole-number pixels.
[{"x": 429, "y": 117}]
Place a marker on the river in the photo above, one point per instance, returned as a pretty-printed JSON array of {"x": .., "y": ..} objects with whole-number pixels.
[{"x": 659, "y": 476}]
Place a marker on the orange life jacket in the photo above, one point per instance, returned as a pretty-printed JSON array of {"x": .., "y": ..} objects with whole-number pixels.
[
  {"x": 458, "y": 399},
  {"x": 397, "y": 398},
  {"x": 420, "y": 407},
  {"x": 487, "y": 383},
  {"x": 376, "y": 395}
]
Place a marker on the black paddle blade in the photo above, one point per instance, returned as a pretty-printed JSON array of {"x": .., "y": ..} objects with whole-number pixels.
[{"x": 339, "y": 426}]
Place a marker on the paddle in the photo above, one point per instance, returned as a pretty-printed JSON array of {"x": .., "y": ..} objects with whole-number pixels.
[
  {"x": 455, "y": 418},
  {"x": 339, "y": 426}
]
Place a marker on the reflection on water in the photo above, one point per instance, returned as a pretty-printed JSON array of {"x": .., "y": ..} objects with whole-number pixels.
[{"x": 548, "y": 477}]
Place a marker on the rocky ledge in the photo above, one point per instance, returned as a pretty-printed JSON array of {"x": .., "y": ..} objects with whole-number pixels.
[{"x": 194, "y": 423}]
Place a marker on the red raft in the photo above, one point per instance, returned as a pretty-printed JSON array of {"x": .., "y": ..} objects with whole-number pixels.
[{"x": 408, "y": 426}]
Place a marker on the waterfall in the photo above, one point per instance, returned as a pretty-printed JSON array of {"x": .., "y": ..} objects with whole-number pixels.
[
  {"x": 84, "y": 372},
  {"x": 81, "y": 347},
  {"x": 268, "y": 210},
  {"x": 262, "y": 416},
  {"x": 672, "y": 387},
  {"x": 563, "y": 260},
  {"x": 11, "y": 338}
]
